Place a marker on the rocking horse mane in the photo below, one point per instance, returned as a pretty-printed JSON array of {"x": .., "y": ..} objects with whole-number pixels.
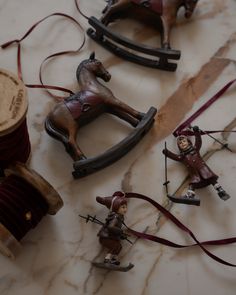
[{"x": 82, "y": 64}]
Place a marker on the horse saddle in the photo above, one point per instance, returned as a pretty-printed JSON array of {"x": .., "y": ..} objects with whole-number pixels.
[
  {"x": 154, "y": 5},
  {"x": 81, "y": 103}
]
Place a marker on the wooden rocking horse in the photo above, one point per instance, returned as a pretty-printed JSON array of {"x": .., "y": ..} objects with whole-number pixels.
[
  {"x": 91, "y": 101},
  {"x": 166, "y": 10}
]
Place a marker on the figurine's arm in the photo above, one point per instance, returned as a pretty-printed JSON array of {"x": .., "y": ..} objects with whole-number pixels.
[
  {"x": 113, "y": 228},
  {"x": 171, "y": 155},
  {"x": 198, "y": 138}
]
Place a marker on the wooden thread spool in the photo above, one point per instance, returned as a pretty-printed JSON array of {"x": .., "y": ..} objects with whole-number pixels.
[
  {"x": 14, "y": 137},
  {"x": 25, "y": 197}
]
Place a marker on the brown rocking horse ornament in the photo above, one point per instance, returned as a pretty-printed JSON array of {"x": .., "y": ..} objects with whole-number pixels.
[
  {"x": 166, "y": 10},
  {"x": 91, "y": 101}
]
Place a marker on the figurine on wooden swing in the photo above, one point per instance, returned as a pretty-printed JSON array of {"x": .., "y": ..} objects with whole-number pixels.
[
  {"x": 166, "y": 10},
  {"x": 200, "y": 174},
  {"x": 111, "y": 233},
  {"x": 94, "y": 99}
]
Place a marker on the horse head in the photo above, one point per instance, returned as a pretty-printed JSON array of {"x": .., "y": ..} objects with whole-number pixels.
[
  {"x": 189, "y": 7},
  {"x": 94, "y": 66}
]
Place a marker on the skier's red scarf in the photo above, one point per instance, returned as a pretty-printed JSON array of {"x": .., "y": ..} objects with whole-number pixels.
[{"x": 181, "y": 226}]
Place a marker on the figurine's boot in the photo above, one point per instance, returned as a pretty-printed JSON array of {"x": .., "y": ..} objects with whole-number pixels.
[
  {"x": 108, "y": 258},
  {"x": 221, "y": 192},
  {"x": 190, "y": 194},
  {"x": 190, "y": 197},
  {"x": 111, "y": 260},
  {"x": 114, "y": 260}
]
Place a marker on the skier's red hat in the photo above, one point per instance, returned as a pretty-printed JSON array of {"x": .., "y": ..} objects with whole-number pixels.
[{"x": 114, "y": 202}]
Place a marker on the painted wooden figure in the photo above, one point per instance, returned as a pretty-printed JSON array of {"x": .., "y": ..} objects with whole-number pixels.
[
  {"x": 200, "y": 174},
  {"x": 92, "y": 100},
  {"x": 111, "y": 233}
]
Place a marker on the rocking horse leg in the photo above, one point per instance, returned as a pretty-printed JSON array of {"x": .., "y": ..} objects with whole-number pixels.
[
  {"x": 116, "y": 7},
  {"x": 73, "y": 147},
  {"x": 119, "y": 106},
  {"x": 124, "y": 116},
  {"x": 166, "y": 32}
]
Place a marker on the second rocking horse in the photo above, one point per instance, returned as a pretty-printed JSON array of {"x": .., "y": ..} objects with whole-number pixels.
[
  {"x": 91, "y": 101},
  {"x": 166, "y": 10}
]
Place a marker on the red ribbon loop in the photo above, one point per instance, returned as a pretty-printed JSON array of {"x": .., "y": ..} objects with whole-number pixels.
[
  {"x": 179, "y": 130},
  {"x": 184, "y": 228},
  {"x": 19, "y": 67}
]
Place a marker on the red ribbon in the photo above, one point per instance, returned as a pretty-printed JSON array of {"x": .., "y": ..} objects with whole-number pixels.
[
  {"x": 79, "y": 10},
  {"x": 181, "y": 226},
  {"x": 19, "y": 67},
  {"x": 179, "y": 130}
]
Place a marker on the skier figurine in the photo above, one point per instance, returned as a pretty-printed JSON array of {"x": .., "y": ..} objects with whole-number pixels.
[
  {"x": 111, "y": 233},
  {"x": 200, "y": 174}
]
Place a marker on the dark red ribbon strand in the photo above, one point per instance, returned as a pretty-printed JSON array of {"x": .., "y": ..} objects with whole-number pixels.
[
  {"x": 179, "y": 130},
  {"x": 19, "y": 63},
  {"x": 180, "y": 225},
  {"x": 79, "y": 10},
  {"x": 205, "y": 132}
]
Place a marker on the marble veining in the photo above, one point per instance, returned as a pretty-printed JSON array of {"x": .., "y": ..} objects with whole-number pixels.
[{"x": 55, "y": 258}]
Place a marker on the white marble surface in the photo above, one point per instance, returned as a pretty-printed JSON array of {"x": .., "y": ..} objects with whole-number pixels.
[{"x": 55, "y": 258}]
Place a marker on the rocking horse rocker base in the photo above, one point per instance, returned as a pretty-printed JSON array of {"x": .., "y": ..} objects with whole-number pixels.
[
  {"x": 110, "y": 41},
  {"x": 87, "y": 166}
]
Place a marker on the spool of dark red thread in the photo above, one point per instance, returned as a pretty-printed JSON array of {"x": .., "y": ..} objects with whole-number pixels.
[
  {"x": 25, "y": 198},
  {"x": 14, "y": 137}
]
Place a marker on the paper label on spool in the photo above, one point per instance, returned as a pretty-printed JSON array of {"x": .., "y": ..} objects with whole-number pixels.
[{"x": 13, "y": 102}]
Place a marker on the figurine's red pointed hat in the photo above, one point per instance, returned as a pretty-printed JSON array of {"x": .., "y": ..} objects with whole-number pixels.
[{"x": 114, "y": 202}]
